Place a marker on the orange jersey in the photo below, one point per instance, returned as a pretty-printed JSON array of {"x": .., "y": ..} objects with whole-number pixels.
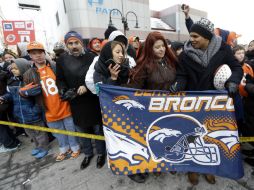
[{"x": 56, "y": 109}]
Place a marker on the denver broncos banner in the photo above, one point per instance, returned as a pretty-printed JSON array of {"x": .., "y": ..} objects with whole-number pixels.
[{"x": 156, "y": 131}]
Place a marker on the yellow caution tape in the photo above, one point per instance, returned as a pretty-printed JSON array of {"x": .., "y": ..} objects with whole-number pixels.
[
  {"x": 58, "y": 131},
  {"x": 246, "y": 139},
  {"x": 78, "y": 134}
]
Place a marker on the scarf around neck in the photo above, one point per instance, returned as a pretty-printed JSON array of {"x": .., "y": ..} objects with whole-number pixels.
[{"x": 200, "y": 56}]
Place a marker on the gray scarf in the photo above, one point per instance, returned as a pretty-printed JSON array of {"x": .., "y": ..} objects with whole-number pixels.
[{"x": 200, "y": 56}]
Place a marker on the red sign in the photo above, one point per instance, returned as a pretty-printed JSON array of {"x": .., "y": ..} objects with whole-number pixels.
[{"x": 18, "y": 31}]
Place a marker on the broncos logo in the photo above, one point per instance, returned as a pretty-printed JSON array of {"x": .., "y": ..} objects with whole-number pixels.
[
  {"x": 121, "y": 147},
  {"x": 161, "y": 134},
  {"x": 127, "y": 102},
  {"x": 178, "y": 138},
  {"x": 224, "y": 133}
]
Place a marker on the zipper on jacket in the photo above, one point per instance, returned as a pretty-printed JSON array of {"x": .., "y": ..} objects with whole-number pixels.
[{"x": 20, "y": 106}]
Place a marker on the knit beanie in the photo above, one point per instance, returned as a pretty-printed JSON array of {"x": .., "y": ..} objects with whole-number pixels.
[
  {"x": 73, "y": 35},
  {"x": 22, "y": 64},
  {"x": 8, "y": 51},
  {"x": 204, "y": 28},
  {"x": 232, "y": 36}
]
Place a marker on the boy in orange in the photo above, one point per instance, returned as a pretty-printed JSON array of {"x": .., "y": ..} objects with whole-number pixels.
[{"x": 57, "y": 112}]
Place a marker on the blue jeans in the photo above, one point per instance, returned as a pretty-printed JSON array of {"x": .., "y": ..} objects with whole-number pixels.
[
  {"x": 87, "y": 144},
  {"x": 65, "y": 142}
]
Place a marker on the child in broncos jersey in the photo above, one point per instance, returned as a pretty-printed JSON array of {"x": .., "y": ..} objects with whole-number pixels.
[{"x": 57, "y": 112}]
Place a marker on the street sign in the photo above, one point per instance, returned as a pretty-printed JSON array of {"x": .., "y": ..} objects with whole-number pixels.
[{"x": 18, "y": 31}]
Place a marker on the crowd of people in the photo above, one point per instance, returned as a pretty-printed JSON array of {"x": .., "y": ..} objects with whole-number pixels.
[{"x": 61, "y": 93}]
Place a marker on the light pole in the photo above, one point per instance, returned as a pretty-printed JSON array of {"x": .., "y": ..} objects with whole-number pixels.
[{"x": 124, "y": 19}]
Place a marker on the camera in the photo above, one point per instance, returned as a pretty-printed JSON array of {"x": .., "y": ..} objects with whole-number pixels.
[{"x": 110, "y": 61}]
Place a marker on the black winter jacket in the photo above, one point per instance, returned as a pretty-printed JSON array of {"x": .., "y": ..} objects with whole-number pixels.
[
  {"x": 70, "y": 73},
  {"x": 191, "y": 76}
]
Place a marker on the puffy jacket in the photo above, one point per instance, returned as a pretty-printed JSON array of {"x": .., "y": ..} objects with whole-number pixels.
[{"x": 25, "y": 110}]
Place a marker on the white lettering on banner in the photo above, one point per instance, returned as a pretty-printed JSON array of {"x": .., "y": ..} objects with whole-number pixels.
[
  {"x": 172, "y": 102},
  {"x": 215, "y": 101},
  {"x": 156, "y": 104},
  {"x": 191, "y": 104},
  {"x": 188, "y": 104},
  {"x": 23, "y": 32},
  {"x": 50, "y": 87}
]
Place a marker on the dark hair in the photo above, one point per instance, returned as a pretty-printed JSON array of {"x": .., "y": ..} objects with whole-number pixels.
[
  {"x": 108, "y": 31},
  {"x": 107, "y": 52},
  {"x": 237, "y": 48},
  {"x": 147, "y": 58}
]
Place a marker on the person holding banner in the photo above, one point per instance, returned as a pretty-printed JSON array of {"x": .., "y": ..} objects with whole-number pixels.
[
  {"x": 204, "y": 53},
  {"x": 113, "y": 68},
  {"x": 156, "y": 68}
]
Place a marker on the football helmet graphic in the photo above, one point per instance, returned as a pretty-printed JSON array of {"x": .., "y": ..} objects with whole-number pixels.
[{"x": 177, "y": 138}]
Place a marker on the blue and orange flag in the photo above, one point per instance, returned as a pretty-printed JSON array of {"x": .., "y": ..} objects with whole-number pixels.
[{"x": 157, "y": 131}]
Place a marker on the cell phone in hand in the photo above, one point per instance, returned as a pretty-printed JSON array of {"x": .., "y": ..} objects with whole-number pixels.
[{"x": 110, "y": 61}]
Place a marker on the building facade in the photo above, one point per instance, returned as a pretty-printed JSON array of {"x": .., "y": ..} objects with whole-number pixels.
[{"x": 53, "y": 19}]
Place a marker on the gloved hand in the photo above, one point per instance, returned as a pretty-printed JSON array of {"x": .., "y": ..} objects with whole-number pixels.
[
  {"x": 97, "y": 88},
  {"x": 62, "y": 92},
  {"x": 232, "y": 88},
  {"x": 173, "y": 88},
  {"x": 69, "y": 95},
  {"x": 30, "y": 89}
]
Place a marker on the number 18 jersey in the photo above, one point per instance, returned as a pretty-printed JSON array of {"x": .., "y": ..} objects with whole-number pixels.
[{"x": 56, "y": 109}]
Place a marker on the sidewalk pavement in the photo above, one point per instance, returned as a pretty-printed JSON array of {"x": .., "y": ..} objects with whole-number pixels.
[{"x": 20, "y": 171}]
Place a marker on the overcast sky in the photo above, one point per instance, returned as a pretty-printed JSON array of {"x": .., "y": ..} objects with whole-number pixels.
[{"x": 231, "y": 15}]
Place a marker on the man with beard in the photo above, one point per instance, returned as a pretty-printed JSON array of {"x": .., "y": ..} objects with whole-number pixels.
[
  {"x": 203, "y": 54},
  {"x": 71, "y": 71}
]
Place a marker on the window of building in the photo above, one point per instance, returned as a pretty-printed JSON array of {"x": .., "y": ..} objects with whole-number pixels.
[
  {"x": 64, "y": 6},
  {"x": 29, "y": 4},
  {"x": 57, "y": 19}
]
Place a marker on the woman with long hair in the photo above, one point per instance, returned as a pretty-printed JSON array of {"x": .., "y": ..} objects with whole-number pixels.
[{"x": 156, "y": 68}]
